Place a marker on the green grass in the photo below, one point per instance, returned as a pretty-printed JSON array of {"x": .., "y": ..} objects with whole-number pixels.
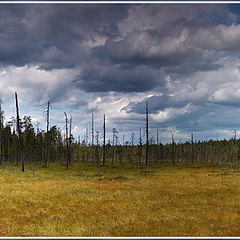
[{"x": 118, "y": 201}]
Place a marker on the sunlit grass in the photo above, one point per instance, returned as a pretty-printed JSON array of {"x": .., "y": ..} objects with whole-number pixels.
[{"x": 119, "y": 201}]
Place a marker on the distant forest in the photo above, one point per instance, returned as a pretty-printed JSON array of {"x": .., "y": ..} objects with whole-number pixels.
[{"x": 21, "y": 144}]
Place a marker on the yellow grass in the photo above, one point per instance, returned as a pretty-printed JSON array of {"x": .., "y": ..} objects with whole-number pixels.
[{"x": 171, "y": 201}]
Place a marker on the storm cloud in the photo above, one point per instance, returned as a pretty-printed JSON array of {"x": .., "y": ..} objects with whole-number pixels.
[{"x": 183, "y": 59}]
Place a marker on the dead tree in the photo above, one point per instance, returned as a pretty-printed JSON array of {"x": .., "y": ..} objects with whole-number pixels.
[
  {"x": 67, "y": 142},
  {"x": 140, "y": 149},
  {"x": 147, "y": 143},
  {"x": 78, "y": 153},
  {"x": 19, "y": 133},
  {"x": 113, "y": 146},
  {"x": 70, "y": 138},
  {"x": 97, "y": 148},
  {"x": 47, "y": 136},
  {"x": 70, "y": 130},
  {"x": 131, "y": 155},
  {"x": 92, "y": 139},
  {"x": 87, "y": 153},
  {"x": 104, "y": 141},
  {"x": 114, "y": 131}
]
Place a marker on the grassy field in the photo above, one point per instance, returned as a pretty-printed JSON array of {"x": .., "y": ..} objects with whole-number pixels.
[{"x": 171, "y": 201}]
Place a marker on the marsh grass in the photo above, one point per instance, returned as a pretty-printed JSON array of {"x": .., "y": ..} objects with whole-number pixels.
[{"x": 118, "y": 201}]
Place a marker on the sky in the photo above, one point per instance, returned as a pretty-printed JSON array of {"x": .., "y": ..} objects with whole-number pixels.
[{"x": 183, "y": 59}]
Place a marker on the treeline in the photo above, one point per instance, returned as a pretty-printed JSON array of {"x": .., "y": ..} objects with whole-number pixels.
[
  {"x": 21, "y": 144},
  {"x": 35, "y": 150}
]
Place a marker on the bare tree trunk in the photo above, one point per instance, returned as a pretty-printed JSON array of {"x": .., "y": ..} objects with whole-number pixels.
[
  {"x": 47, "y": 136},
  {"x": 19, "y": 132},
  {"x": 97, "y": 148},
  {"x": 78, "y": 153},
  {"x": 113, "y": 148},
  {"x": 70, "y": 140},
  {"x": 87, "y": 155},
  {"x": 67, "y": 141},
  {"x": 92, "y": 139},
  {"x": 104, "y": 141},
  {"x": 140, "y": 149},
  {"x": 147, "y": 143}
]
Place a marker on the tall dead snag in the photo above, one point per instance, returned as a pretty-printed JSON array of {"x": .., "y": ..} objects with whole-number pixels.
[
  {"x": 173, "y": 150},
  {"x": 114, "y": 143},
  {"x": 78, "y": 153},
  {"x": 140, "y": 149},
  {"x": 87, "y": 153},
  {"x": 92, "y": 139},
  {"x": 147, "y": 143},
  {"x": 70, "y": 138},
  {"x": 192, "y": 148},
  {"x": 19, "y": 132},
  {"x": 104, "y": 141},
  {"x": 67, "y": 141},
  {"x": 47, "y": 136},
  {"x": 113, "y": 153},
  {"x": 70, "y": 130},
  {"x": 97, "y": 146}
]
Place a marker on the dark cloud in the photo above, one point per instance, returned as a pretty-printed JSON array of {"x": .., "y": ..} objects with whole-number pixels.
[
  {"x": 113, "y": 47},
  {"x": 104, "y": 78},
  {"x": 170, "y": 48},
  {"x": 204, "y": 118},
  {"x": 156, "y": 103},
  {"x": 157, "y": 47},
  {"x": 117, "y": 55},
  {"x": 187, "y": 116},
  {"x": 54, "y": 36}
]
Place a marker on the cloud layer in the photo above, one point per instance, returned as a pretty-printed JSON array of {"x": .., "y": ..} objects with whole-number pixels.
[{"x": 183, "y": 59}]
